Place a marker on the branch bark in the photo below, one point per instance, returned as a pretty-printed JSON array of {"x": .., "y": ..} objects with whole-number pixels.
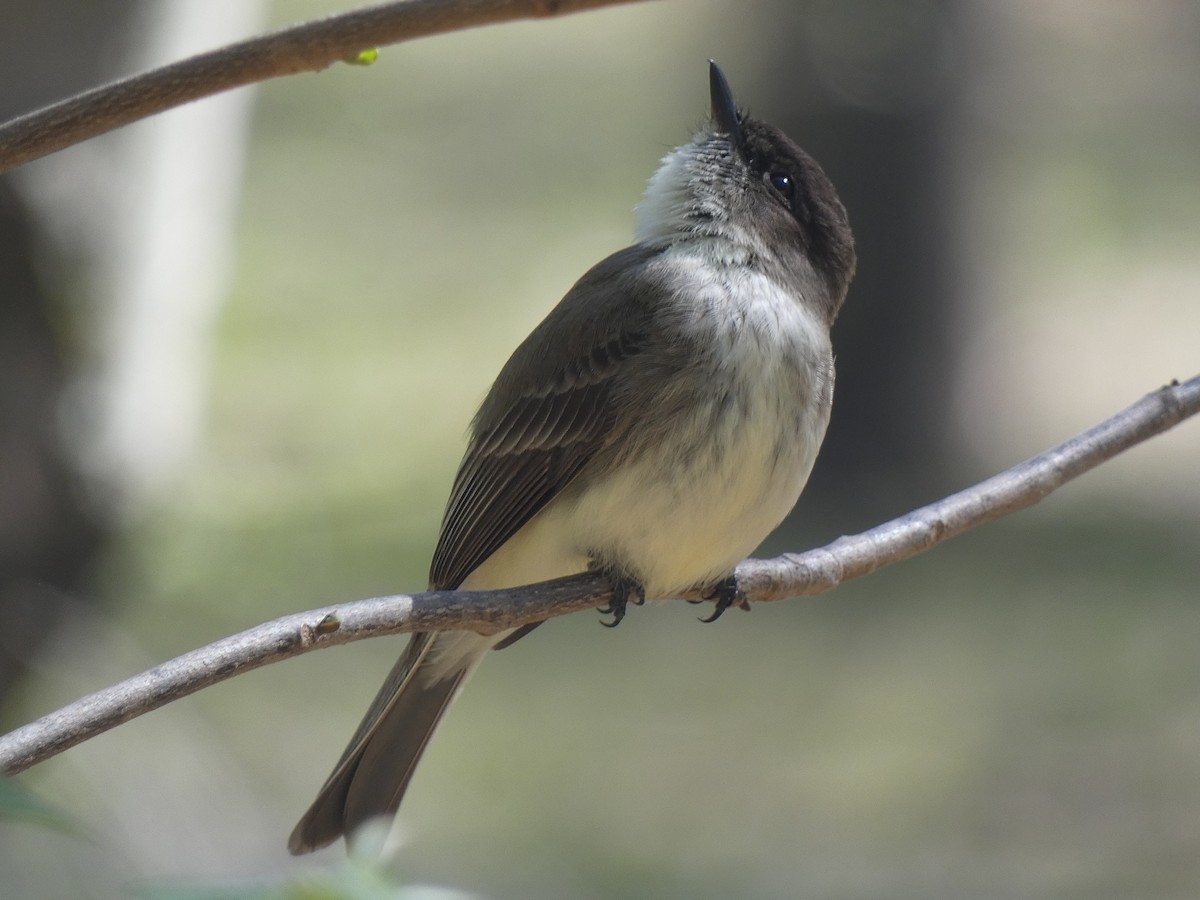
[
  {"x": 309, "y": 47},
  {"x": 793, "y": 574}
]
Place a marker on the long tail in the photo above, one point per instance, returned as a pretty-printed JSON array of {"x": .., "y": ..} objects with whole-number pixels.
[{"x": 375, "y": 769}]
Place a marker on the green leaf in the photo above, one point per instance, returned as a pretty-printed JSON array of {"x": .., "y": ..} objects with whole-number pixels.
[{"x": 362, "y": 57}]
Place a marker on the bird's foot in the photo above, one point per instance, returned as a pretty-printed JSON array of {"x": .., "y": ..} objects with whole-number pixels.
[
  {"x": 727, "y": 594},
  {"x": 625, "y": 590}
]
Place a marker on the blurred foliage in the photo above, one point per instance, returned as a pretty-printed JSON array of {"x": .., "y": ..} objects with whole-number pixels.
[
  {"x": 357, "y": 878},
  {"x": 20, "y": 805}
]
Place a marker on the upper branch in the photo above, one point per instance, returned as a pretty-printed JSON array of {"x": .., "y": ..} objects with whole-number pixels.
[
  {"x": 309, "y": 47},
  {"x": 790, "y": 575}
]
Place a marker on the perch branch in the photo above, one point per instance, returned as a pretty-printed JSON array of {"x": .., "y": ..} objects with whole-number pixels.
[
  {"x": 309, "y": 47},
  {"x": 792, "y": 574}
]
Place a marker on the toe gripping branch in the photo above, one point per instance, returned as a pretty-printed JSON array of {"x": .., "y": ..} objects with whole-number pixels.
[
  {"x": 625, "y": 590},
  {"x": 727, "y": 594}
]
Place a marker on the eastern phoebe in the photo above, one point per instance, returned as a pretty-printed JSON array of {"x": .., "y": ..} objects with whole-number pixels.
[{"x": 657, "y": 425}]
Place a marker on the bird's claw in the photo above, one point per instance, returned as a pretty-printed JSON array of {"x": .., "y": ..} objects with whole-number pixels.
[
  {"x": 624, "y": 591},
  {"x": 727, "y": 594}
]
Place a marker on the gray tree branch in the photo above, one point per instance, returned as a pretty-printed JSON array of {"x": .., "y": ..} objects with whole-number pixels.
[
  {"x": 309, "y": 47},
  {"x": 790, "y": 575}
]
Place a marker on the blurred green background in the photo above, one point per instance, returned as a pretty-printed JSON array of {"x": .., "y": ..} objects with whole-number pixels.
[{"x": 1016, "y": 714}]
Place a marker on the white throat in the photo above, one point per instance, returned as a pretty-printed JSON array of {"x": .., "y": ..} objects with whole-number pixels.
[
  {"x": 682, "y": 205},
  {"x": 664, "y": 213}
]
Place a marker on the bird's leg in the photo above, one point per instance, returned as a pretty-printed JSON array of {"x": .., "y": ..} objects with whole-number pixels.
[{"x": 727, "y": 594}]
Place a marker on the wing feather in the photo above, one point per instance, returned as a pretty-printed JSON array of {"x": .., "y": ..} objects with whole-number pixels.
[{"x": 548, "y": 414}]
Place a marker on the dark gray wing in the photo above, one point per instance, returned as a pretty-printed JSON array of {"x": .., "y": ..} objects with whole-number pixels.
[{"x": 549, "y": 412}]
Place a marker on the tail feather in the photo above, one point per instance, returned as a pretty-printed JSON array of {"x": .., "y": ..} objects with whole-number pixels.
[{"x": 374, "y": 770}]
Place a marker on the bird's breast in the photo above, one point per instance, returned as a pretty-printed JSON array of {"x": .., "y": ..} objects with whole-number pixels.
[{"x": 722, "y": 441}]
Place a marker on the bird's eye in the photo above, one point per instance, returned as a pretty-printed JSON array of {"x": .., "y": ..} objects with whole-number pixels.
[{"x": 783, "y": 183}]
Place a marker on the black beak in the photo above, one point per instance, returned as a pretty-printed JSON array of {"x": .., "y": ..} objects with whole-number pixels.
[{"x": 724, "y": 110}]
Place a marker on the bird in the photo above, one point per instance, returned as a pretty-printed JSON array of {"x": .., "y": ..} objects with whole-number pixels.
[{"x": 656, "y": 426}]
